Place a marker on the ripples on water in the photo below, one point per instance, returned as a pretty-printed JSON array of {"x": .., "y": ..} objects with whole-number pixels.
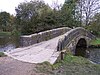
[
  {"x": 94, "y": 55},
  {"x": 7, "y": 48}
]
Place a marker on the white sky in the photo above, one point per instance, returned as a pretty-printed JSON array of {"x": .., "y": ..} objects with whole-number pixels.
[{"x": 9, "y": 5}]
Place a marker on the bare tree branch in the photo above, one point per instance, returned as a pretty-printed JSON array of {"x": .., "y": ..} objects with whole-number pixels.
[{"x": 88, "y": 8}]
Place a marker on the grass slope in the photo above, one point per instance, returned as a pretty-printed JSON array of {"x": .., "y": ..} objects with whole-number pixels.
[
  {"x": 96, "y": 41},
  {"x": 71, "y": 65}
]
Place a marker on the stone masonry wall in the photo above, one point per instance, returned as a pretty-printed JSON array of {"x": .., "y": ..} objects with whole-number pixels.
[
  {"x": 67, "y": 38},
  {"x": 28, "y": 40}
]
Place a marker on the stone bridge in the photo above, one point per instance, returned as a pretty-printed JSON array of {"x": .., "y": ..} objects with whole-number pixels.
[{"x": 52, "y": 45}]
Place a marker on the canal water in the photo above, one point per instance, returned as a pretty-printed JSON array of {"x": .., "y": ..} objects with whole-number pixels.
[
  {"x": 94, "y": 55},
  {"x": 8, "y": 43}
]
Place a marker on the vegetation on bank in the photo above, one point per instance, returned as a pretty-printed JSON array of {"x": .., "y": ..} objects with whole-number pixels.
[
  {"x": 13, "y": 33},
  {"x": 71, "y": 65},
  {"x": 95, "y": 42},
  {"x": 2, "y": 54},
  {"x": 5, "y": 33}
]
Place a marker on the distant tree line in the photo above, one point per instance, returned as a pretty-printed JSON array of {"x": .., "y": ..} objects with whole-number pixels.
[{"x": 35, "y": 16}]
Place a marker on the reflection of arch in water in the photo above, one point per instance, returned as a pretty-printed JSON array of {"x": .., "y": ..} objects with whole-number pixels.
[{"x": 81, "y": 47}]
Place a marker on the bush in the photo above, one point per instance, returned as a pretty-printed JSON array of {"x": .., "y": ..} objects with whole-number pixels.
[{"x": 15, "y": 33}]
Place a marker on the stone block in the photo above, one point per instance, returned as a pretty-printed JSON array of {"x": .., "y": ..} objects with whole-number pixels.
[
  {"x": 35, "y": 38},
  {"x": 25, "y": 41}
]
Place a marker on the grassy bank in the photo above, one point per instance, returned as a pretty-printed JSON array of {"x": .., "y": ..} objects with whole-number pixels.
[
  {"x": 96, "y": 41},
  {"x": 14, "y": 33},
  {"x": 5, "y": 33},
  {"x": 71, "y": 65},
  {"x": 2, "y": 54}
]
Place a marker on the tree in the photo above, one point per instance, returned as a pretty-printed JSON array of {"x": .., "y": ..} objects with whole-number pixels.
[
  {"x": 29, "y": 15},
  {"x": 5, "y": 21},
  {"x": 68, "y": 13},
  {"x": 56, "y": 5},
  {"x": 94, "y": 26},
  {"x": 87, "y": 9}
]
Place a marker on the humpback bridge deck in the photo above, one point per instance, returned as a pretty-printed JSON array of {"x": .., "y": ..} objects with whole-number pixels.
[{"x": 37, "y": 53}]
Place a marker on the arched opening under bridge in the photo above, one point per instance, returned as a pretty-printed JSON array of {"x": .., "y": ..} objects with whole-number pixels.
[{"x": 81, "y": 47}]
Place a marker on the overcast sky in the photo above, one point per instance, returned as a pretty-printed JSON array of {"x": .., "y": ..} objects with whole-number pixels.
[{"x": 9, "y": 5}]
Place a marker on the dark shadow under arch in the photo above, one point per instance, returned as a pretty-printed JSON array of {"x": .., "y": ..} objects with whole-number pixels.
[{"x": 81, "y": 48}]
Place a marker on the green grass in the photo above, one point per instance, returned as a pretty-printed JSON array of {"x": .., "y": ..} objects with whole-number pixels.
[
  {"x": 2, "y": 54},
  {"x": 96, "y": 41},
  {"x": 71, "y": 65},
  {"x": 5, "y": 33}
]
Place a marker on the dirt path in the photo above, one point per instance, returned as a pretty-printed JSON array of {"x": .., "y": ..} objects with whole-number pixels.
[{"x": 9, "y": 66}]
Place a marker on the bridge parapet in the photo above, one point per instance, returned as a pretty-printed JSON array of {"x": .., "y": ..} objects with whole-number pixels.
[
  {"x": 28, "y": 40},
  {"x": 72, "y": 34}
]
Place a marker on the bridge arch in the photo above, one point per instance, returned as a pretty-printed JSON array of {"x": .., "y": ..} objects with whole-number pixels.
[
  {"x": 75, "y": 39},
  {"x": 81, "y": 47}
]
